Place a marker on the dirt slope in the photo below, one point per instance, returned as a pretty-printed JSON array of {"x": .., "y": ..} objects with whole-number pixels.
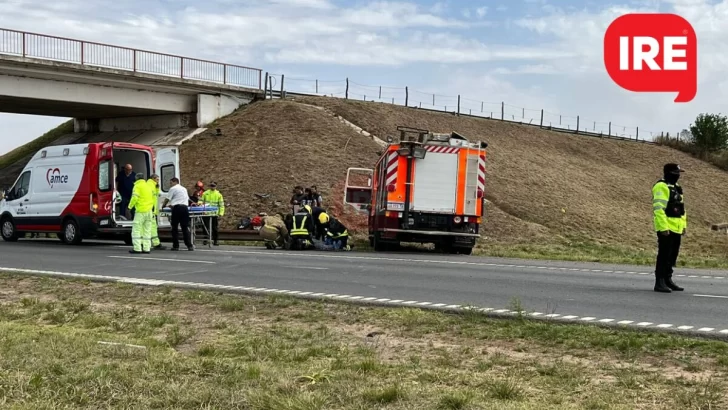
[
  {"x": 543, "y": 183},
  {"x": 268, "y": 148}
]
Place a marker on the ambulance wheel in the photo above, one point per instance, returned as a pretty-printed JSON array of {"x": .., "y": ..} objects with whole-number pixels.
[
  {"x": 7, "y": 229},
  {"x": 71, "y": 233}
]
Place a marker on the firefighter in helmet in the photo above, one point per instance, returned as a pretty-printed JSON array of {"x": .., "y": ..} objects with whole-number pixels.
[{"x": 302, "y": 229}]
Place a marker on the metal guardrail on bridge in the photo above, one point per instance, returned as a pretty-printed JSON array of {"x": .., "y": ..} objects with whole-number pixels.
[{"x": 41, "y": 46}]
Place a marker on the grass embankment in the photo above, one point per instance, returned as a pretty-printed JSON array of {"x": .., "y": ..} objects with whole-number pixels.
[
  {"x": 197, "y": 350},
  {"x": 30, "y": 148}
]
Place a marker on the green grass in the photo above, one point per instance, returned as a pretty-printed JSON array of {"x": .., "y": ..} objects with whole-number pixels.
[
  {"x": 186, "y": 349},
  {"x": 30, "y": 148}
]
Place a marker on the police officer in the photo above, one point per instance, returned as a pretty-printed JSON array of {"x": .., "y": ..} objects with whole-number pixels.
[{"x": 670, "y": 221}]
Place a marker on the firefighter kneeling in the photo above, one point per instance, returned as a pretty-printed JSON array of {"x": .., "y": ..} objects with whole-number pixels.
[
  {"x": 302, "y": 228},
  {"x": 274, "y": 232},
  {"x": 337, "y": 235}
]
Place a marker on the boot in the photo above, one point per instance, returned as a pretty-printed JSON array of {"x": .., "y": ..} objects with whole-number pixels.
[
  {"x": 670, "y": 284},
  {"x": 660, "y": 286}
]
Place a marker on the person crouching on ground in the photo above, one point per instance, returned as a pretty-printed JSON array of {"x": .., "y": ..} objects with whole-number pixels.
[
  {"x": 337, "y": 235},
  {"x": 274, "y": 231},
  {"x": 142, "y": 202},
  {"x": 302, "y": 229}
]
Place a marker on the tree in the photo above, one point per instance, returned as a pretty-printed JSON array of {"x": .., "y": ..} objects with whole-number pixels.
[
  {"x": 709, "y": 133},
  {"x": 685, "y": 135}
]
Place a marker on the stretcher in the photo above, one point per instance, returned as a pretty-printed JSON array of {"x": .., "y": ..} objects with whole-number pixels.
[{"x": 197, "y": 215}]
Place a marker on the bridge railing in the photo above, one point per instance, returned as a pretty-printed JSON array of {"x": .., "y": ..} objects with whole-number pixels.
[{"x": 25, "y": 44}]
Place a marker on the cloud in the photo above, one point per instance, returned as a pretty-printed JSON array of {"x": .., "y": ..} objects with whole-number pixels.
[{"x": 538, "y": 55}]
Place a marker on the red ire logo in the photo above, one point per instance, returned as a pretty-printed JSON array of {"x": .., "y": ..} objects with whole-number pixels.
[{"x": 653, "y": 53}]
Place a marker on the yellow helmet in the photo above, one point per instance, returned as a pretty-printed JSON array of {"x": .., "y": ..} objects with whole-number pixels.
[{"x": 324, "y": 217}]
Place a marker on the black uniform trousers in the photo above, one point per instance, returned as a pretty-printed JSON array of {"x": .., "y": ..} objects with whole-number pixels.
[
  {"x": 181, "y": 216},
  {"x": 214, "y": 226},
  {"x": 668, "y": 248}
]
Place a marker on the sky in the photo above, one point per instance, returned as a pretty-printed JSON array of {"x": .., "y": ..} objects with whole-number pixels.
[{"x": 530, "y": 54}]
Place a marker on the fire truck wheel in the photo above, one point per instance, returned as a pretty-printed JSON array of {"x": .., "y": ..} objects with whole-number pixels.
[
  {"x": 7, "y": 228},
  {"x": 378, "y": 245},
  {"x": 466, "y": 251}
]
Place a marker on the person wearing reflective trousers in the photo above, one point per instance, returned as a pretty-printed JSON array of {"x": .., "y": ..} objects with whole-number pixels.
[
  {"x": 153, "y": 182},
  {"x": 142, "y": 202},
  {"x": 670, "y": 221},
  {"x": 302, "y": 229},
  {"x": 213, "y": 197},
  {"x": 337, "y": 235}
]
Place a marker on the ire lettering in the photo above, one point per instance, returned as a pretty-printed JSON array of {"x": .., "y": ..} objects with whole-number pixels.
[{"x": 639, "y": 54}]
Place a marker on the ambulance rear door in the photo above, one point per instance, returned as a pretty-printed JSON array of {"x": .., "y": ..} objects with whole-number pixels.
[{"x": 166, "y": 165}]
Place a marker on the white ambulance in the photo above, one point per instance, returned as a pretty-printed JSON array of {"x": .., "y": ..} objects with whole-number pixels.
[{"x": 71, "y": 190}]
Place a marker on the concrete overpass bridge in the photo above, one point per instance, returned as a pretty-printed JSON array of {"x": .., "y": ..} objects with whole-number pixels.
[{"x": 117, "y": 93}]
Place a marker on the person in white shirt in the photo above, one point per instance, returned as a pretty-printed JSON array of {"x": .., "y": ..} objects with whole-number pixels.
[{"x": 178, "y": 199}]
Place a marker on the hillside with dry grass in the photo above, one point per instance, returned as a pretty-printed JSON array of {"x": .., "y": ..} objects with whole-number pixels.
[{"x": 269, "y": 147}]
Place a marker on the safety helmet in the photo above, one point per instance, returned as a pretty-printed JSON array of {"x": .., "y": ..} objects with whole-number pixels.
[
  {"x": 323, "y": 217},
  {"x": 307, "y": 208}
]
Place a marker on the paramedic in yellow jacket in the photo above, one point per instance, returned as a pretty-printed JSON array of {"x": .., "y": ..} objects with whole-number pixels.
[
  {"x": 670, "y": 221},
  {"x": 213, "y": 197},
  {"x": 153, "y": 182},
  {"x": 142, "y": 201}
]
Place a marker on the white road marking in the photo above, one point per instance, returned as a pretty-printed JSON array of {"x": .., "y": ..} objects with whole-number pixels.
[
  {"x": 306, "y": 267},
  {"x": 161, "y": 259},
  {"x": 712, "y": 296},
  {"x": 400, "y": 302}
]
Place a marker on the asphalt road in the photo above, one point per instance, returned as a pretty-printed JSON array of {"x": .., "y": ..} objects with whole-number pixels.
[{"x": 576, "y": 291}]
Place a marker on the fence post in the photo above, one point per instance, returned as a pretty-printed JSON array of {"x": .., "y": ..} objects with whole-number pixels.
[
  {"x": 610, "y": 128},
  {"x": 270, "y": 86},
  {"x": 265, "y": 88},
  {"x": 577, "y": 124},
  {"x": 316, "y": 86},
  {"x": 82, "y": 47},
  {"x": 541, "y": 118},
  {"x": 420, "y": 104},
  {"x": 559, "y": 119},
  {"x": 365, "y": 97},
  {"x": 392, "y": 100},
  {"x": 380, "y": 92},
  {"x": 406, "y": 96},
  {"x": 433, "y": 100},
  {"x": 471, "y": 111},
  {"x": 458, "y": 104},
  {"x": 595, "y": 126},
  {"x": 181, "y": 67},
  {"x": 637, "y": 134},
  {"x": 283, "y": 77},
  {"x": 481, "y": 106},
  {"x": 503, "y": 110},
  {"x": 346, "y": 95},
  {"x": 25, "y": 49},
  {"x": 523, "y": 113}
]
